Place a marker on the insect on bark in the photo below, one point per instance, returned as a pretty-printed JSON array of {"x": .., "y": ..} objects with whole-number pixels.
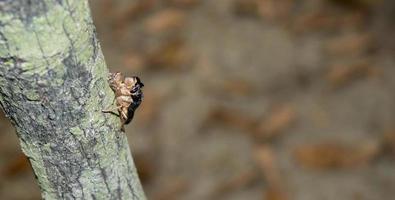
[{"x": 128, "y": 96}]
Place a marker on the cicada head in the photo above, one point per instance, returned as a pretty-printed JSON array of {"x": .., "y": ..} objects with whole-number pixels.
[{"x": 115, "y": 80}]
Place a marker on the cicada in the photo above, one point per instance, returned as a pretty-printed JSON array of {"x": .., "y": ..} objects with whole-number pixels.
[{"x": 128, "y": 96}]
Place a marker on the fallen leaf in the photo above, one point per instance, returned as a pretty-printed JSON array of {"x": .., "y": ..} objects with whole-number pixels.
[
  {"x": 230, "y": 117},
  {"x": 236, "y": 182},
  {"x": 316, "y": 20},
  {"x": 275, "y": 9},
  {"x": 171, "y": 189},
  {"x": 341, "y": 74},
  {"x": 165, "y": 20},
  {"x": 132, "y": 11},
  {"x": 279, "y": 119},
  {"x": 267, "y": 9},
  {"x": 230, "y": 87},
  {"x": 237, "y": 87},
  {"x": 324, "y": 20},
  {"x": 334, "y": 155},
  {"x": 351, "y": 44},
  {"x": 275, "y": 193},
  {"x": 266, "y": 161},
  {"x": 172, "y": 55}
]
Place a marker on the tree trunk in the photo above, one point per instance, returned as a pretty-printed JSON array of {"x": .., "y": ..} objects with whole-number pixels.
[{"x": 53, "y": 86}]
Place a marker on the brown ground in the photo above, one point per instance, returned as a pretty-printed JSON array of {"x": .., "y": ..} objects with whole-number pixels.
[{"x": 250, "y": 99}]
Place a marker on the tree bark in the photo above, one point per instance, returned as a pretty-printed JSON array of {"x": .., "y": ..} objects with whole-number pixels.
[{"x": 53, "y": 86}]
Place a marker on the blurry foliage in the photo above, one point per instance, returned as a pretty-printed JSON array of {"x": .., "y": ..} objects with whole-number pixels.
[
  {"x": 335, "y": 155},
  {"x": 275, "y": 122},
  {"x": 172, "y": 55},
  {"x": 165, "y": 20},
  {"x": 340, "y": 75},
  {"x": 158, "y": 39}
]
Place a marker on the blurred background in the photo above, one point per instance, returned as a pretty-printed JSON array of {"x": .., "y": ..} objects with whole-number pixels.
[{"x": 249, "y": 99}]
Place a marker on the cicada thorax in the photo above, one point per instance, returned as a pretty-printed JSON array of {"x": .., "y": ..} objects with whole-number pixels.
[
  {"x": 128, "y": 95},
  {"x": 122, "y": 91},
  {"x": 123, "y": 103}
]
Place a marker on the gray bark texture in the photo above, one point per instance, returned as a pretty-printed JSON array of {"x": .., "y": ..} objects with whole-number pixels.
[{"x": 53, "y": 86}]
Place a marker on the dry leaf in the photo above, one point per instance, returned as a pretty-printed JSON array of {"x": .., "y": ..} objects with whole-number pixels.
[
  {"x": 134, "y": 10},
  {"x": 314, "y": 21},
  {"x": 165, "y": 20},
  {"x": 333, "y": 155},
  {"x": 352, "y": 44},
  {"x": 231, "y": 87},
  {"x": 266, "y": 160},
  {"x": 340, "y": 75},
  {"x": 275, "y": 9},
  {"x": 236, "y": 182},
  {"x": 171, "y": 189},
  {"x": 267, "y": 9},
  {"x": 321, "y": 19},
  {"x": 279, "y": 120},
  {"x": 274, "y": 193},
  {"x": 237, "y": 87},
  {"x": 172, "y": 55},
  {"x": 230, "y": 117}
]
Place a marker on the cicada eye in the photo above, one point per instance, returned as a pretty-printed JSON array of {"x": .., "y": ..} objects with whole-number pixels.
[
  {"x": 135, "y": 88},
  {"x": 138, "y": 81}
]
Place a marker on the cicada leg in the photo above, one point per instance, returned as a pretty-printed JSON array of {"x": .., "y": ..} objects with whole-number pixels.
[{"x": 113, "y": 110}]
